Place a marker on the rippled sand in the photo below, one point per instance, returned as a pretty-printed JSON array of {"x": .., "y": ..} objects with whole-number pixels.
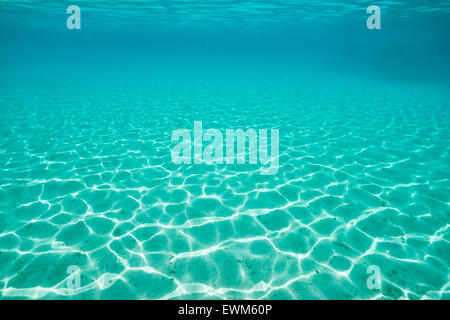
[{"x": 86, "y": 180}]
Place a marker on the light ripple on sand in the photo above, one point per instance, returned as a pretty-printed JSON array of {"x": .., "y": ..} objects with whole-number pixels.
[{"x": 363, "y": 180}]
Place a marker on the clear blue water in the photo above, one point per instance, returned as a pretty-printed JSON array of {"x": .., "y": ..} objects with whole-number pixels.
[{"x": 93, "y": 207}]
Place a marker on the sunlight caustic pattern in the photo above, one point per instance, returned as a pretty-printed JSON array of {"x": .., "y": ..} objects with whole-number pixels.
[{"x": 86, "y": 180}]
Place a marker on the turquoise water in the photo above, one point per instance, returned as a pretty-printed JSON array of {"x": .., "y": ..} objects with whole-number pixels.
[{"x": 93, "y": 207}]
